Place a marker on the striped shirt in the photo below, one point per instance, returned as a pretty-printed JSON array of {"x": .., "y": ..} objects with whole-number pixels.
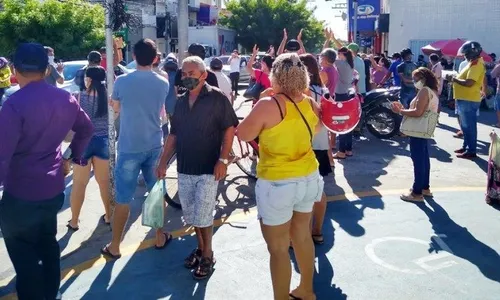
[{"x": 89, "y": 106}]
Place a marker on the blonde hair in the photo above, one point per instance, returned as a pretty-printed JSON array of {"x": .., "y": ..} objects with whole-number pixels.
[{"x": 289, "y": 74}]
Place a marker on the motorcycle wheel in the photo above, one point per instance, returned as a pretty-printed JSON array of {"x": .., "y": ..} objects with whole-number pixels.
[{"x": 391, "y": 122}]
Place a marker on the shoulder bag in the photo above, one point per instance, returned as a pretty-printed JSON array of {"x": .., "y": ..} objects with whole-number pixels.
[
  {"x": 423, "y": 126},
  {"x": 253, "y": 92}
]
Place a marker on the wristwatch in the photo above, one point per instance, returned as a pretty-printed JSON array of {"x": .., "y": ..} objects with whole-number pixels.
[{"x": 224, "y": 161}]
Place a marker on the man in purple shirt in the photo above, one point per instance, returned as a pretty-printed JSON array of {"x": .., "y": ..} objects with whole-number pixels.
[{"x": 33, "y": 124}]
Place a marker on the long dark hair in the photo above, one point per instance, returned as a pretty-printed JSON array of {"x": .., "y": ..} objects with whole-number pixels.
[
  {"x": 98, "y": 76},
  {"x": 348, "y": 56},
  {"x": 312, "y": 67}
]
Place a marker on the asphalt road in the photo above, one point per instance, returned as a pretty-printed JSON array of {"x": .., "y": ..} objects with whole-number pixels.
[{"x": 377, "y": 247}]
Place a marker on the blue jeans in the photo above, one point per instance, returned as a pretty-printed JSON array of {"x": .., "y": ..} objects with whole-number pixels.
[
  {"x": 128, "y": 166},
  {"x": 497, "y": 102},
  {"x": 419, "y": 152},
  {"x": 345, "y": 140},
  {"x": 467, "y": 112}
]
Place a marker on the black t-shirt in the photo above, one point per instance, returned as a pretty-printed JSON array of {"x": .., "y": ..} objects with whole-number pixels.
[
  {"x": 199, "y": 130},
  {"x": 211, "y": 80}
]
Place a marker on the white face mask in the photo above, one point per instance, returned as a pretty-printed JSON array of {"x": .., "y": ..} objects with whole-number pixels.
[
  {"x": 51, "y": 59},
  {"x": 419, "y": 84}
]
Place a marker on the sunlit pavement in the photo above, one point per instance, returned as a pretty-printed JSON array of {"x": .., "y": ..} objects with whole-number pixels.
[{"x": 381, "y": 244}]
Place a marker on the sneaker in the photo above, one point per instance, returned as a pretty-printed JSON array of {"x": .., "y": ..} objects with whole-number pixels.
[
  {"x": 467, "y": 155},
  {"x": 460, "y": 151}
]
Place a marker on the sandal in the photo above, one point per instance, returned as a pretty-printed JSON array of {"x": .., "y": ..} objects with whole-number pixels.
[
  {"x": 318, "y": 239},
  {"x": 193, "y": 259},
  {"x": 205, "y": 268},
  {"x": 106, "y": 253},
  {"x": 337, "y": 156},
  {"x": 168, "y": 239},
  {"x": 292, "y": 297},
  {"x": 103, "y": 219},
  {"x": 71, "y": 228}
]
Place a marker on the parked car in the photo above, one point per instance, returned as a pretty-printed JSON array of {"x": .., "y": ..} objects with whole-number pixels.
[
  {"x": 244, "y": 75},
  {"x": 69, "y": 72}
]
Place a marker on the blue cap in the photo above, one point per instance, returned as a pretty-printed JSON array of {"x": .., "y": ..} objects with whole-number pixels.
[{"x": 31, "y": 57}]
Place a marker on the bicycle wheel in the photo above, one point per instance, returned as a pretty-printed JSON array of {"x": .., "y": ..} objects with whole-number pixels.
[
  {"x": 172, "y": 194},
  {"x": 246, "y": 157}
]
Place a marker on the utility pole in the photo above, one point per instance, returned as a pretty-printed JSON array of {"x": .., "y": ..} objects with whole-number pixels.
[
  {"x": 355, "y": 21},
  {"x": 110, "y": 74},
  {"x": 182, "y": 27}
]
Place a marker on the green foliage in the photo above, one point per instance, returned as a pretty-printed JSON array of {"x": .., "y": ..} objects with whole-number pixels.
[
  {"x": 262, "y": 22},
  {"x": 72, "y": 27}
]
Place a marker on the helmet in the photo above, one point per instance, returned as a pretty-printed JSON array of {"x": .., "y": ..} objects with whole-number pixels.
[
  {"x": 471, "y": 50},
  {"x": 340, "y": 117}
]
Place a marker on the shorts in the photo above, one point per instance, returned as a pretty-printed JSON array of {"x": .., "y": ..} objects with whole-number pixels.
[
  {"x": 324, "y": 162},
  {"x": 278, "y": 199},
  {"x": 98, "y": 147},
  {"x": 496, "y": 102},
  {"x": 128, "y": 166},
  {"x": 197, "y": 194}
]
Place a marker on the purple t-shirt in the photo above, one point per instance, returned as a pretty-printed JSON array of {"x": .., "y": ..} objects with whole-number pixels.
[{"x": 33, "y": 123}]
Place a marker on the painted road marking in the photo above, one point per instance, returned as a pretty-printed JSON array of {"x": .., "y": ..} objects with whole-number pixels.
[
  {"x": 239, "y": 217},
  {"x": 422, "y": 262}
]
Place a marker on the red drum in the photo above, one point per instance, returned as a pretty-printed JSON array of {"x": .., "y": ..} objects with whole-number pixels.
[{"x": 340, "y": 117}]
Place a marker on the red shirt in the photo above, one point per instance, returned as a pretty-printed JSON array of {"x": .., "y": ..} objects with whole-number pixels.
[
  {"x": 104, "y": 63},
  {"x": 262, "y": 78}
]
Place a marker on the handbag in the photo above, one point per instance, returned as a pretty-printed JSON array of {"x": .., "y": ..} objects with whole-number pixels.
[
  {"x": 253, "y": 91},
  {"x": 153, "y": 210},
  {"x": 423, "y": 126}
]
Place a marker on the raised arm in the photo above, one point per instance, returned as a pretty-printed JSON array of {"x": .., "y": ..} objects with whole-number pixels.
[
  {"x": 337, "y": 44},
  {"x": 252, "y": 61},
  {"x": 302, "y": 49},
  {"x": 281, "y": 49}
]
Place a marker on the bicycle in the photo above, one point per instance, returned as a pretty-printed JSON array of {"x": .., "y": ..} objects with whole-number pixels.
[{"x": 244, "y": 154}]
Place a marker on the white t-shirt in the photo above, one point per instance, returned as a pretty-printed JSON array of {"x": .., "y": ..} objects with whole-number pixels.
[
  {"x": 320, "y": 141},
  {"x": 224, "y": 83},
  {"x": 234, "y": 65},
  {"x": 437, "y": 69}
]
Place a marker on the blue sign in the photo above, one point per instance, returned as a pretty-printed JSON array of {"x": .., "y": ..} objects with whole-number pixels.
[{"x": 368, "y": 11}]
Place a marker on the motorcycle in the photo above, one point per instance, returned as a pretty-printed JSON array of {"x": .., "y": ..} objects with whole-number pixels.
[{"x": 377, "y": 115}]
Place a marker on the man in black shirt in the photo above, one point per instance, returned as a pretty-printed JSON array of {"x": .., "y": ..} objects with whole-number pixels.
[
  {"x": 195, "y": 50},
  {"x": 201, "y": 133}
]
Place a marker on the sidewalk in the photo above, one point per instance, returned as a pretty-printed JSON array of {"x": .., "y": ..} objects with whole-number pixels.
[{"x": 383, "y": 250}]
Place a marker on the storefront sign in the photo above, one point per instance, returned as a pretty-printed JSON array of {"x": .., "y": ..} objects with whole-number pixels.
[{"x": 368, "y": 11}]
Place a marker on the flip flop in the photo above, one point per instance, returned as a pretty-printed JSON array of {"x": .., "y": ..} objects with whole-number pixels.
[
  {"x": 318, "y": 239},
  {"x": 168, "y": 239},
  {"x": 292, "y": 297},
  {"x": 106, "y": 253},
  {"x": 74, "y": 229},
  {"x": 103, "y": 219}
]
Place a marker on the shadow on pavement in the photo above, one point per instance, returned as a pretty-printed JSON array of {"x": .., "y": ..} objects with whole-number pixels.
[{"x": 461, "y": 242}]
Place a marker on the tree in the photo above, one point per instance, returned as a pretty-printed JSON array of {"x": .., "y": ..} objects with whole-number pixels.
[
  {"x": 261, "y": 22},
  {"x": 71, "y": 27}
]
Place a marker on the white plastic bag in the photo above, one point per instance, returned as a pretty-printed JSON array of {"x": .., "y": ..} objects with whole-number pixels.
[{"x": 153, "y": 211}]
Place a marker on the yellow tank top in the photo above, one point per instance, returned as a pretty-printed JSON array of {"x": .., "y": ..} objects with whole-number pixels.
[{"x": 285, "y": 150}]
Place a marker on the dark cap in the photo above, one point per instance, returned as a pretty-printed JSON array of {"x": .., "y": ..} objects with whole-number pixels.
[
  {"x": 292, "y": 46},
  {"x": 216, "y": 64},
  {"x": 196, "y": 49},
  {"x": 94, "y": 57},
  {"x": 31, "y": 57}
]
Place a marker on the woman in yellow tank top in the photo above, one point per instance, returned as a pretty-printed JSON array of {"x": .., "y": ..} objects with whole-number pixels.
[{"x": 289, "y": 182}]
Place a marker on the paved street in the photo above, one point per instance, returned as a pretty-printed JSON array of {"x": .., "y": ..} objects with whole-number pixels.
[{"x": 377, "y": 247}]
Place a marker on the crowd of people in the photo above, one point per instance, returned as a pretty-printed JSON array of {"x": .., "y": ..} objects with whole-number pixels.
[{"x": 184, "y": 107}]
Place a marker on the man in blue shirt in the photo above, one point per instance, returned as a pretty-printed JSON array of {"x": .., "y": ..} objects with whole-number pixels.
[
  {"x": 139, "y": 97},
  {"x": 396, "y": 61},
  {"x": 405, "y": 70}
]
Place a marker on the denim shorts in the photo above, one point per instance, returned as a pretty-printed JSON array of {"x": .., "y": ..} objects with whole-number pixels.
[
  {"x": 128, "y": 166},
  {"x": 496, "y": 102},
  {"x": 278, "y": 199},
  {"x": 98, "y": 147}
]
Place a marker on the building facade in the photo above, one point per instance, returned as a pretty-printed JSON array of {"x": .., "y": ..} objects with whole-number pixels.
[{"x": 416, "y": 23}]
